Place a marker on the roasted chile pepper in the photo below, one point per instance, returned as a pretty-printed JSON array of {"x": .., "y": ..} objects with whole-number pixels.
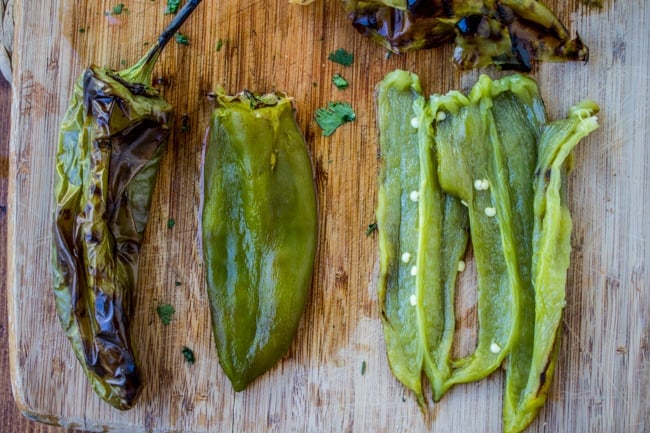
[
  {"x": 507, "y": 33},
  {"x": 495, "y": 152},
  {"x": 259, "y": 231},
  {"x": 529, "y": 375},
  {"x": 110, "y": 144},
  {"x": 422, "y": 236},
  {"x": 487, "y": 151}
]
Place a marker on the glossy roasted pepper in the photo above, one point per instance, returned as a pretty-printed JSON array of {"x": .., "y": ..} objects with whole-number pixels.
[
  {"x": 110, "y": 144},
  {"x": 422, "y": 237},
  {"x": 259, "y": 231},
  {"x": 507, "y": 33},
  {"x": 530, "y": 369}
]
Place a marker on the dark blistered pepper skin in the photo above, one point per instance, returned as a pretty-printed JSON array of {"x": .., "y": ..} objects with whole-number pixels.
[
  {"x": 259, "y": 231},
  {"x": 110, "y": 144},
  {"x": 509, "y": 33}
]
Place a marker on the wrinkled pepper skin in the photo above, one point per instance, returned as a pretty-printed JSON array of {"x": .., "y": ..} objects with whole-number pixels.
[
  {"x": 530, "y": 375},
  {"x": 110, "y": 144},
  {"x": 508, "y": 33},
  {"x": 422, "y": 236},
  {"x": 259, "y": 231}
]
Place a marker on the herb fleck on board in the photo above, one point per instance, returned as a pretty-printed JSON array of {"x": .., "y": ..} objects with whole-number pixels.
[
  {"x": 166, "y": 313},
  {"x": 333, "y": 116}
]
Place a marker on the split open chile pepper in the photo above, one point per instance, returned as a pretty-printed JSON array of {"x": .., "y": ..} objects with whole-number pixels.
[
  {"x": 423, "y": 235},
  {"x": 507, "y": 33},
  {"x": 490, "y": 163},
  {"x": 530, "y": 369},
  {"x": 259, "y": 231},
  {"x": 110, "y": 144},
  {"x": 486, "y": 144}
]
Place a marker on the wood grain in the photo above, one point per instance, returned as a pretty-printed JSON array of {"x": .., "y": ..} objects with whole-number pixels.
[
  {"x": 11, "y": 420},
  {"x": 604, "y": 366}
]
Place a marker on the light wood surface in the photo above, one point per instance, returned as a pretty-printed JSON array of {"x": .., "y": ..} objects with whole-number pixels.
[
  {"x": 604, "y": 368},
  {"x": 11, "y": 419}
]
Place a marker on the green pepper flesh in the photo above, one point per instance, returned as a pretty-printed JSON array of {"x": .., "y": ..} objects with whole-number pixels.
[{"x": 259, "y": 231}]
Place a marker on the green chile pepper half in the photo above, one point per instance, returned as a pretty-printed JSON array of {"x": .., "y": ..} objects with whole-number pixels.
[
  {"x": 487, "y": 151},
  {"x": 110, "y": 144},
  {"x": 259, "y": 231},
  {"x": 531, "y": 366},
  {"x": 422, "y": 237}
]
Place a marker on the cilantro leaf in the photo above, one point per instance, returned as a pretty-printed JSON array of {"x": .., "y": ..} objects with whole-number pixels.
[
  {"x": 171, "y": 223},
  {"x": 371, "y": 228},
  {"x": 341, "y": 57},
  {"x": 165, "y": 312},
  {"x": 335, "y": 115},
  {"x": 340, "y": 82},
  {"x": 181, "y": 39},
  {"x": 172, "y": 6},
  {"x": 118, "y": 9},
  {"x": 189, "y": 355}
]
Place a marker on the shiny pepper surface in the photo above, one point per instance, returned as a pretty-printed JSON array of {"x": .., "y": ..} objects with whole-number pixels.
[
  {"x": 110, "y": 145},
  {"x": 259, "y": 231}
]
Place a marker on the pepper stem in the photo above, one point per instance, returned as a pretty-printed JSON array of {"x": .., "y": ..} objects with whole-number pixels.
[{"x": 142, "y": 70}]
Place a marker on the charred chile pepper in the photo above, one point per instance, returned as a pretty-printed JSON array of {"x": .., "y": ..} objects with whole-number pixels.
[
  {"x": 422, "y": 236},
  {"x": 110, "y": 144},
  {"x": 259, "y": 231},
  {"x": 529, "y": 374},
  {"x": 507, "y": 33}
]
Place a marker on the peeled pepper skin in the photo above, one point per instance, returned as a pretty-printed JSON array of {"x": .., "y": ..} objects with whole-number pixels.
[
  {"x": 259, "y": 231},
  {"x": 110, "y": 145},
  {"x": 507, "y": 33}
]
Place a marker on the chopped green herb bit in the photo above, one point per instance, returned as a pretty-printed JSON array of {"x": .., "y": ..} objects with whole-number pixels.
[
  {"x": 189, "y": 355},
  {"x": 165, "y": 312},
  {"x": 315, "y": 84},
  {"x": 340, "y": 82},
  {"x": 82, "y": 30},
  {"x": 117, "y": 10},
  {"x": 597, "y": 3},
  {"x": 123, "y": 62},
  {"x": 171, "y": 223},
  {"x": 219, "y": 44},
  {"x": 341, "y": 57},
  {"x": 182, "y": 39},
  {"x": 177, "y": 283},
  {"x": 371, "y": 228},
  {"x": 185, "y": 121},
  {"x": 172, "y": 6},
  {"x": 335, "y": 115},
  {"x": 363, "y": 368}
]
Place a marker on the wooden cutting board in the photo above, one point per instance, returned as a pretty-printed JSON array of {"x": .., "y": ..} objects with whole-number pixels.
[{"x": 335, "y": 377}]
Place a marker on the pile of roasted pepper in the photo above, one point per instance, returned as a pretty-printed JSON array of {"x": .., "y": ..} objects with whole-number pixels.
[{"x": 487, "y": 166}]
